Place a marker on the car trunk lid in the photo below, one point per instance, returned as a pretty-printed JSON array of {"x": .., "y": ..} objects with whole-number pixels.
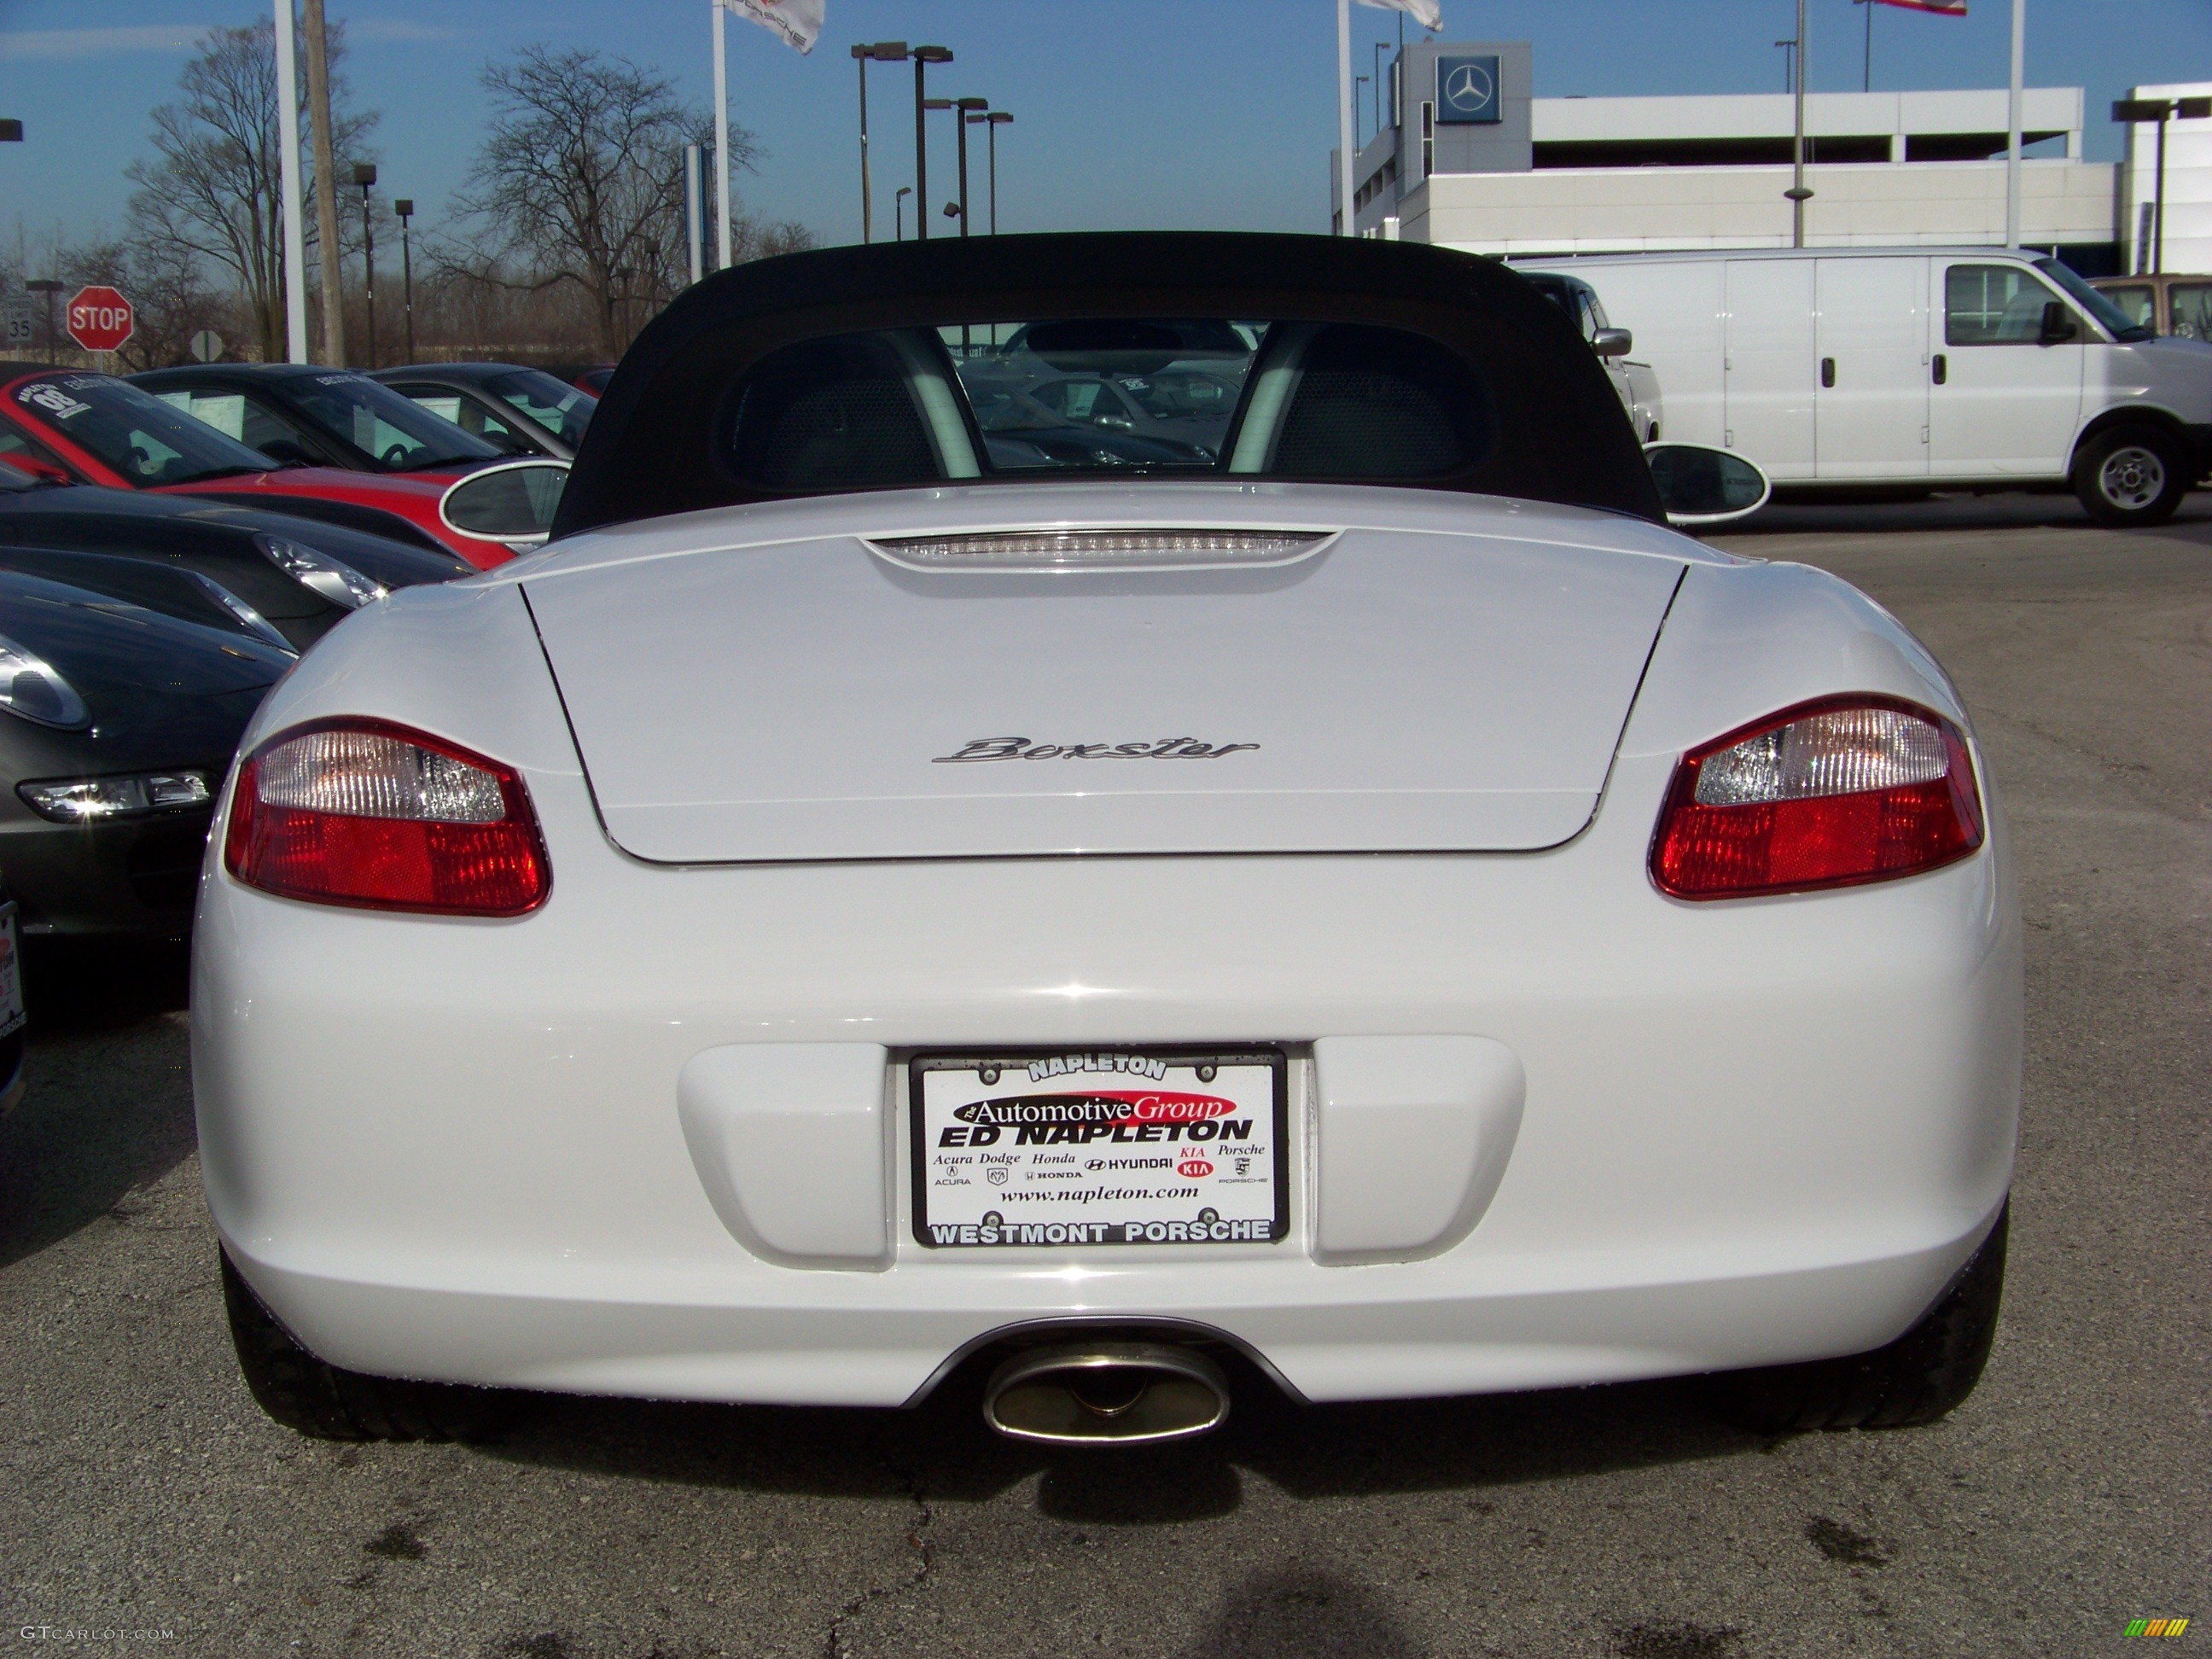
[{"x": 1404, "y": 688}]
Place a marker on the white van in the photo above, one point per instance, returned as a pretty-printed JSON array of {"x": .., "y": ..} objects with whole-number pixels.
[{"x": 1967, "y": 367}]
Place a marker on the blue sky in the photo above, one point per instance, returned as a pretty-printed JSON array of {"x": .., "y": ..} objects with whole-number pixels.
[{"x": 1127, "y": 112}]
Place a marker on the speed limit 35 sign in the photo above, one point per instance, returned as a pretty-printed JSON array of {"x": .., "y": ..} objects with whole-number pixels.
[{"x": 101, "y": 319}]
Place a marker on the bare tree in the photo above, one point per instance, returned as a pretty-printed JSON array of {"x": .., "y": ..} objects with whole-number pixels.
[
  {"x": 580, "y": 182},
  {"x": 168, "y": 289},
  {"x": 212, "y": 190}
]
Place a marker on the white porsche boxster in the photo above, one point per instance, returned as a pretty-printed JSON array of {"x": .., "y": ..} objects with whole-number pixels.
[{"x": 931, "y": 880}]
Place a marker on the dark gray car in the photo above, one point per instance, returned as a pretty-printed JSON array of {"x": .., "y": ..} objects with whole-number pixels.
[
  {"x": 525, "y": 410},
  {"x": 297, "y": 577},
  {"x": 116, "y": 725}
]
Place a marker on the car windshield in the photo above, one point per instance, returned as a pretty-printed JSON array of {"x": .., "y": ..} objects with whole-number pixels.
[
  {"x": 1170, "y": 395},
  {"x": 399, "y": 434},
  {"x": 2114, "y": 321},
  {"x": 558, "y": 408},
  {"x": 134, "y": 432}
]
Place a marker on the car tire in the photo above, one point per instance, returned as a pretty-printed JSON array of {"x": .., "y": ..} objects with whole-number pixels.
[
  {"x": 1923, "y": 1375},
  {"x": 325, "y": 1402},
  {"x": 2128, "y": 476}
]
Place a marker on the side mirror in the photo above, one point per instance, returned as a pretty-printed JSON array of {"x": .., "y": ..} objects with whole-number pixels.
[
  {"x": 285, "y": 453},
  {"x": 1701, "y": 485},
  {"x": 513, "y": 503},
  {"x": 1613, "y": 342},
  {"x": 2059, "y": 324},
  {"x": 39, "y": 468}
]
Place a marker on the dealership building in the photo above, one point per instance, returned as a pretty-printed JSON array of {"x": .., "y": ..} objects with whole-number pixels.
[{"x": 1472, "y": 160}]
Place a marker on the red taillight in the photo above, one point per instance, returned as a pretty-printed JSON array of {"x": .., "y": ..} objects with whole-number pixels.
[
  {"x": 366, "y": 813},
  {"x": 1828, "y": 794}
]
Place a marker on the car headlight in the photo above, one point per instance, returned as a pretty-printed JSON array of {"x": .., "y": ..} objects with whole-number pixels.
[
  {"x": 88, "y": 800},
  {"x": 32, "y": 689},
  {"x": 317, "y": 571}
]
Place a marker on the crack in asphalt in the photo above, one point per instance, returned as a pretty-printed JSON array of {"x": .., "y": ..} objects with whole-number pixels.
[{"x": 910, "y": 1487}]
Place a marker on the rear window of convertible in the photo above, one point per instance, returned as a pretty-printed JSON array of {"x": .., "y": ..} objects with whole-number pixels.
[{"x": 1174, "y": 397}]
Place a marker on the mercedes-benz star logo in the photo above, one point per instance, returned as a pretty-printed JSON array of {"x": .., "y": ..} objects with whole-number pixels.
[{"x": 1469, "y": 88}]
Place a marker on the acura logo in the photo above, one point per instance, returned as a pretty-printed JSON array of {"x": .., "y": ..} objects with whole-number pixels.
[
  {"x": 1004, "y": 749},
  {"x": 1469, "y": 88}
]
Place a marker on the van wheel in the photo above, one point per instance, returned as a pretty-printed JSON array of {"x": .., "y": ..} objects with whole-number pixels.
[
  {"x": 2129, "y": 475},
  {"x": 320, "y": 1401},
  {"x": 1924, "y": 1374}
]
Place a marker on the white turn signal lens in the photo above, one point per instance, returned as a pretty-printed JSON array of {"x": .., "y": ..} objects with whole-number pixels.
[
  {"x": 1064, "y": 550},
  {"x": 318, "y": 572},
  {"x": 1841, "y": 752},
  {"x": 370, "y": 774},
  {"x": 33, "y": 690},
  {"x": 88, "y": 800}
]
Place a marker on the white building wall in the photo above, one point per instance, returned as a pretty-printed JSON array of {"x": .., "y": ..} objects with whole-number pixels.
[
  {"x": 1774, "y": 115},
  {"x": 1873, "y": 204},
  {"x": 2188, "y": 184}
]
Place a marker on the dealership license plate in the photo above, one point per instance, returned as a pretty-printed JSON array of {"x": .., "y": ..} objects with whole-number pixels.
[{"x": 1100, "y": 1147}]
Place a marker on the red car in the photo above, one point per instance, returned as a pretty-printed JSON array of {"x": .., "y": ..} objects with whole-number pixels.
[{"x": 96, "y": 428}]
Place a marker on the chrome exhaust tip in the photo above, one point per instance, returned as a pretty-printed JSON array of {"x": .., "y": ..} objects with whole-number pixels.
[{"x": 1121, "y": 1394}]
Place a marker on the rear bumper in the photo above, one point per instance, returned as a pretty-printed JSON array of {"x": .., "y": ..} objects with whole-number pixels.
[
  {"x": 1324, "y": 1337},
  {"x": 1753, "y": 1133}
]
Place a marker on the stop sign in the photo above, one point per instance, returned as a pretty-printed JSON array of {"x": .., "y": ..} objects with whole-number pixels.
[{"x": 99, "y": 319}]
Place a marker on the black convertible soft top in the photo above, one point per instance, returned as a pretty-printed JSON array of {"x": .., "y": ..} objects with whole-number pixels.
[{"x": 1557, "y": 430}]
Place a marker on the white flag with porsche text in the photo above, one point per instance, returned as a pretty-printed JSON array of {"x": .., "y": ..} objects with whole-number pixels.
[
  {"x": 1424, "y": 12},
  {"x": 798, "y": 21}
]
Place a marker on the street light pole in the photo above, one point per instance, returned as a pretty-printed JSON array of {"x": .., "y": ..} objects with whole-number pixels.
[
  {"x": 288, "y": 176},
  {"x": 923, "y": 58},
  {"x": 404, "y": 207},
  {"x": 860, "y": 55},
  {"x": 882, "y": 52},
  {"x": 49, "y": 287},
  {"x": 1797, "y": 193},
  {"x": 991, "y": 124},
  {"x": 364, "y": 174},
  {"x": 963, "y": 108},
  {"x": 2012, "y": 122},
  {"x": 898, "y": 213}
]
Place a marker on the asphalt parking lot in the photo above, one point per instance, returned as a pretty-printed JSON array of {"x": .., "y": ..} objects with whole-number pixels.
[{"x": 150, "y": 1505}]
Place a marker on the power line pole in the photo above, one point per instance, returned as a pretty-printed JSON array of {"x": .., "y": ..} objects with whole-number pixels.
[{"x": 327, "y": 185}]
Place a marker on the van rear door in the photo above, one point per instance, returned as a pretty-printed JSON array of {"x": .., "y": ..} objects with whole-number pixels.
[
  {"x": 1871, "y": 403},
  {"x": 2007, "y": 406}
]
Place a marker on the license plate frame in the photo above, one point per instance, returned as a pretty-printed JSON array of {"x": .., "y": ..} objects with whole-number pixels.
[
  {"x": 1050, "y": 1078},
  {"x": 13, "y": 1014}
]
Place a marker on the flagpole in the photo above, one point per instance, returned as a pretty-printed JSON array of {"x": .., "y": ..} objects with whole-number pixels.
[
  {"x": 721, "y": 142},
  {"x": 288, "y": 168},
  {"x": 2012, "y": 155},
  {"x": 1344, "y": 113}
]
